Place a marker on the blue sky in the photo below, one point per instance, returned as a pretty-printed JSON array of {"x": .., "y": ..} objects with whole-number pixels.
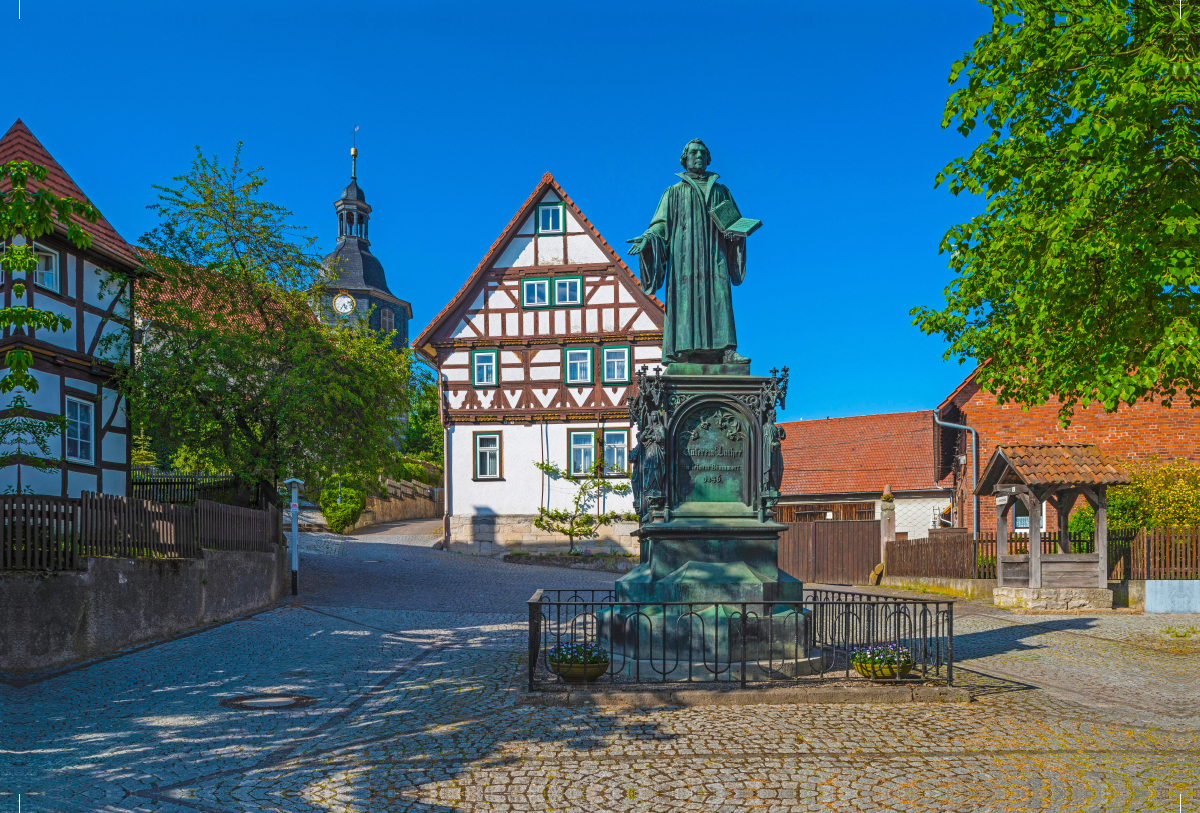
[{"x": 823, "y": 119}]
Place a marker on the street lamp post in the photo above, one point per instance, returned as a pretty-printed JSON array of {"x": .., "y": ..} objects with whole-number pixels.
[{"x": 296, "y": 485}]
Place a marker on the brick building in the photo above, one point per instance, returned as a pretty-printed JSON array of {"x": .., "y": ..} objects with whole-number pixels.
[
  {"x": 1140, "y": 432},
  {"x": 837, "y": 468}
]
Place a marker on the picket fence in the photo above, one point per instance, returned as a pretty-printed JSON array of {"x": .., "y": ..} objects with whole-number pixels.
[{"x": 56, "y": 533}]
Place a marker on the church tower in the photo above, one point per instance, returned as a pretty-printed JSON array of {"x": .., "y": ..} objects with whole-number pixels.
[{"x": 361, "y": 284}]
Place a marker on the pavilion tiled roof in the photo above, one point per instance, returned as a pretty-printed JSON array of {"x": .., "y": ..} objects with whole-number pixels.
[
  {"x": 860, "y": 454},
  {"x": 1052, "y": 464},
  {"x": 19, "y": 143}
]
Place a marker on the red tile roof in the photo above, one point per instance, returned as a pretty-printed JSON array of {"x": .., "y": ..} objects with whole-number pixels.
[
  {"x": 20, "y": 144},
  {"x": 1051, "y": 464},
  {"x": 502, "y": 240},
  {"x": 859, "y": 454}
]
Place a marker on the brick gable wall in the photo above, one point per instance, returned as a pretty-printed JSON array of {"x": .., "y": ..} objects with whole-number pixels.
[{"x": 1140, "y": 432}]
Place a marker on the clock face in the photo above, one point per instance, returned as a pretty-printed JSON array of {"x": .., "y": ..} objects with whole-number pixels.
[{"x": 343, "y": 303}]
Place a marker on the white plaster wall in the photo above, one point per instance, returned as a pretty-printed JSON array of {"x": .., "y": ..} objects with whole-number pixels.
[
  {"x": 524, "y": 488},
  {"x": 114, "y": 482},
  {"x": 61, "y": 338},
  {"x": 113, "y": 401},
  {"x": 47, "y": 398},
  {"x": 114, "y": 448},
  {"x": 78, "y": 482},
  {"x": 915, "y": 516},
  {"x": 582, "y": 249},
  {"x": 48, "y": 483}
]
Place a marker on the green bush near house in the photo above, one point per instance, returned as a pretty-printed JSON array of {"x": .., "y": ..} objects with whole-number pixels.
[{"x": 341, "y": 515}]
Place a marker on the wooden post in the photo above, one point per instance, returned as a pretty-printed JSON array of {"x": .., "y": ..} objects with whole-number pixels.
[
  {"x": 1063, "y": 505},
  {"x": 1002, "y": 537},
  {"x": 1035, "y": 539},
  {"x": 1101, "y": 534}
]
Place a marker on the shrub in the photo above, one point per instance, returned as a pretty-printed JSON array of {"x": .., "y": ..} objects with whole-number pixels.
[
  {"x": 341, "y": 516},
  {"x": 1161, "y": 495}
]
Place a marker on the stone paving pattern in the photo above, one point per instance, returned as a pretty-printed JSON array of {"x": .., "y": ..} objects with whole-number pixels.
[{"x": 415, "y": 656}]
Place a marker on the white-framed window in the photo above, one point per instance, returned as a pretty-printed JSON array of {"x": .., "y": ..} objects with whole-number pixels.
[
  {"x": 487, "y": 456},
  {"x": 616, "y": 364},
  {"x": 579, "y": 365},
  {"x": 568, "y": 291},
  {"x": 535, "y": 293},
  {"x": 616, "y": 452},
  {"x": 583, "y": 452},
  {"x": 46, "y": 275},
  {"x": 1020, "y": 515},
  {"x": 387, "y": 319},
  {"x": 80, "y": 431},
  {"x": 483, "y": 368},
  {"x": 550, "y": 218}
]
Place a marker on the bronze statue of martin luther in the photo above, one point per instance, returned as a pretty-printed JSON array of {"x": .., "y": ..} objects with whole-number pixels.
[{"x": 696, "y": 247}]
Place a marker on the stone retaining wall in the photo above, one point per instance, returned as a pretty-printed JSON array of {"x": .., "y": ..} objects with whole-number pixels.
[
  {"x": 1053, "y": 598},
  {"x": 55, "y": 618},
  {"x": 967, "y": 588},
  {"x": 497, "y": 535}
]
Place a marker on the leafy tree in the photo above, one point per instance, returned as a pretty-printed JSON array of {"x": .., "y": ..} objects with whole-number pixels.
[
  {"x": 578, "y": 521},
  {"x": 423, "y": 437},
  {"x": 236, "y": 366},
  {"x": 1079, "y": 279},
  {"x": 26, "y": 215}
]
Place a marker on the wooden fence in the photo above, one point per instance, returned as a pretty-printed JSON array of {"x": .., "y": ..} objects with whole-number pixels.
[
  {"x": 228, "y": 527},
  {"x": 38, "y": 533},
  {"x": 55, "y": 533},
  {"x": 830, "y": 552},
  {"x": 178, "y": 488},
  {"x": 952, "y": 553},
  {"x": 1166, "y": 553}
]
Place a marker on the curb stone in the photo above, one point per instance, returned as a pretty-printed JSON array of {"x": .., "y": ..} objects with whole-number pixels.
[{"x": 884, "y": 695}]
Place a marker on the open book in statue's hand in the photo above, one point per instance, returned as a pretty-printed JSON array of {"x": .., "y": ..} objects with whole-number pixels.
[{"x": 730, "y": 221}]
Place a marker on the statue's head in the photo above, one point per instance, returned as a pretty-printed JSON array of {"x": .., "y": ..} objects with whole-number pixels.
[{"x": 696, "y": 156}]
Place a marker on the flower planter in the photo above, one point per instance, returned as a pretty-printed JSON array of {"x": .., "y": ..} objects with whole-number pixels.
[
  {"x": 578, "y": 672},
  {"x": 882, "y": 671}
]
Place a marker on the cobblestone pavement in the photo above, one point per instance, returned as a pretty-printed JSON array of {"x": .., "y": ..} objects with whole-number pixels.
[{"x": 414, "y": 655}]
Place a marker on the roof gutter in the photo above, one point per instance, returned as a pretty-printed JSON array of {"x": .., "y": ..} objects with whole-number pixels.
[{"x": 974, "y": 467}]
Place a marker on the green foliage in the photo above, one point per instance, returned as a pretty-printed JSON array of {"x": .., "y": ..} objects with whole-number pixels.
[
  {"x": 578, "y": 521},
  {"x": 414, "y": 470},
  {"x": 236, "y": 367},
  {"x": 342, "y": 503},
  {"x": 142, "y": 454},
  {"x": 1079, "y": 279},
  {"x": 26, "y": 215},
  {"x": 1161, "y": 495},
  {"x": 423, "y": 437}
]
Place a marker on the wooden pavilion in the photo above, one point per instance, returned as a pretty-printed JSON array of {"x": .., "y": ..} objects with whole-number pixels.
[{"x": 1057, "y": 473}]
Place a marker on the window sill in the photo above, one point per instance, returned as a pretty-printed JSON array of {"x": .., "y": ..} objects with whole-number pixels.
[{"x": 487, "y": 479}]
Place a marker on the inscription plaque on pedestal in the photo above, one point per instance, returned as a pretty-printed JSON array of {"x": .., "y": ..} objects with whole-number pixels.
[{"x": 712, "y": 457}]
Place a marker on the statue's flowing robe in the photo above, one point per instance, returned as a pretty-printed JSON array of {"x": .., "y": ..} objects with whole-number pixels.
[{"x": 685, "y": 251}]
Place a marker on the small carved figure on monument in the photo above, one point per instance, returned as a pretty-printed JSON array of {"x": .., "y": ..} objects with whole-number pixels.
[
  {"x": 773, "y": 435},
  {"x": 653, "y": 443},
  {"x": 635, "y": 477},
  {"x": 696, "y": 245}
]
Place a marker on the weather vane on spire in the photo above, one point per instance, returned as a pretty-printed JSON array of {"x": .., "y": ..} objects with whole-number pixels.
[{"x": 354, "y": 153}]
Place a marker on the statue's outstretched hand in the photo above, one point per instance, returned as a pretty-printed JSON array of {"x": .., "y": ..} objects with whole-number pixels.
[{"x": 639, "y": 243}]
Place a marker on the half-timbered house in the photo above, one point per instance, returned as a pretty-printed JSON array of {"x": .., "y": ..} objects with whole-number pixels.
[
  {"x": 93, "y": 288},
  {"x": 536, "y": 355}
]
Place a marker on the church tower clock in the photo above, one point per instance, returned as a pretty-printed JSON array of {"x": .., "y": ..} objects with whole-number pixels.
[{"x": 361, "y": 287}]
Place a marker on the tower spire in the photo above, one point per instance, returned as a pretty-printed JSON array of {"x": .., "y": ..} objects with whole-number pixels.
[{"x": 354, "y": 154}]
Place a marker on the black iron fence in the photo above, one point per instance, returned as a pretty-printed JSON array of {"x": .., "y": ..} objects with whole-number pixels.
[{"x": 818, "y": 638}]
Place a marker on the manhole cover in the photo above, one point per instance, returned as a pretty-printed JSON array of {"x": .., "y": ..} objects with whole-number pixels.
[{"x": 259, "y": 702}]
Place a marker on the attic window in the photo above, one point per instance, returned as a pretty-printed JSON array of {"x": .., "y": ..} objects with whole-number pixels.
[
  {"x": 47, "y": 267},
  {"x": 550, "y": 218},
  {"x": 387, "y": 320}
]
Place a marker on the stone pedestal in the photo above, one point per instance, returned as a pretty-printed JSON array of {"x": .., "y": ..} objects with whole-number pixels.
[
  {"x": 706, "y": 478},
  {"x": 1053, "y": 598}
]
